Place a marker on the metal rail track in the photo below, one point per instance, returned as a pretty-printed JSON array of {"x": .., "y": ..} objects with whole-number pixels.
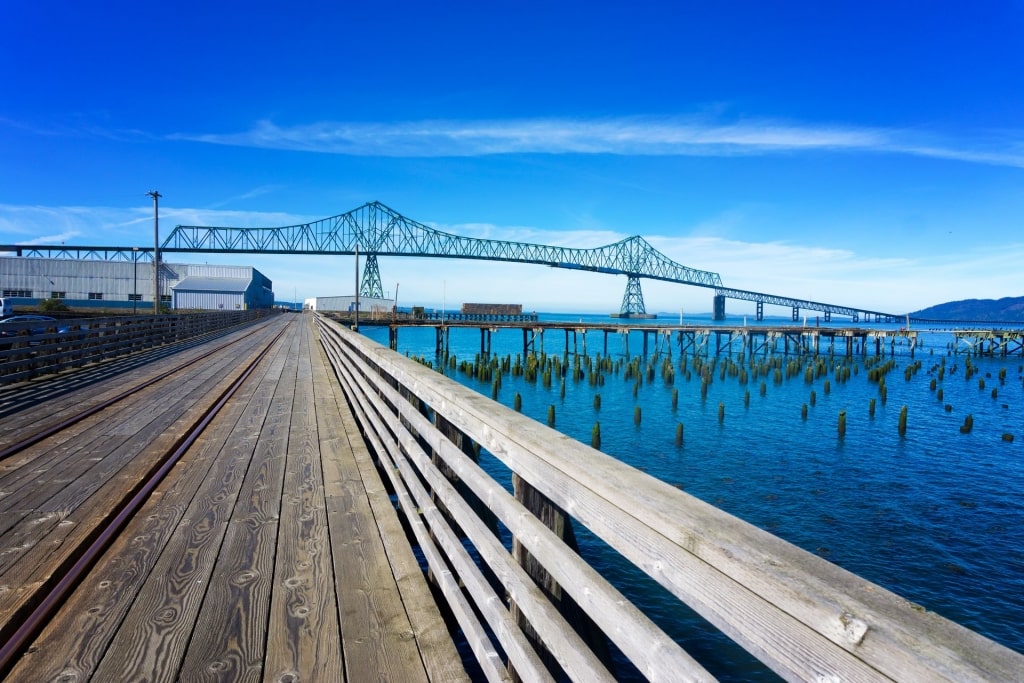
[
  {"x": 33, "y": 439},
  {"x": 21, "y": 395},
  {"x": 65, "y": 580}
]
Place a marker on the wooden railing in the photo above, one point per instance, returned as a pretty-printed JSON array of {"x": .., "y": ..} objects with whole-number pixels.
[
  {"x": 804, "y": 617},
  {"x": 30, "y": 349}
]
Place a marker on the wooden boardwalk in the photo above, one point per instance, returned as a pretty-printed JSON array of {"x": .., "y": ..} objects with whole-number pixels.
[{"x": 271, "y": 551}]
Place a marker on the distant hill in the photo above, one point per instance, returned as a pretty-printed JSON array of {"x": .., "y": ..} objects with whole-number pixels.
[{"x": 1008, "y": 309}]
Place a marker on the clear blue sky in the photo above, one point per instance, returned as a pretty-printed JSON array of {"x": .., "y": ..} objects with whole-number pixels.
[{"x": 868, "y": 154}]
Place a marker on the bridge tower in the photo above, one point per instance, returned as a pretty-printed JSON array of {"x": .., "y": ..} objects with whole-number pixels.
[
  {"x": 633, "y": 300},
  {"x": 371, "y": 285}
]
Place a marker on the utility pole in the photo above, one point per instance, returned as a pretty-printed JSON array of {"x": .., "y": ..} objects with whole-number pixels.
[
  {"x": 356, "y": 326},
  {"x": 135, "y": 279},
  {"x": 156, "y": 250}
]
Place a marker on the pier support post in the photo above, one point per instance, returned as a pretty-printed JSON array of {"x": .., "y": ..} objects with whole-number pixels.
[
  {"x": 441, "y": 347},
  {"x": 485, "y": 341}
]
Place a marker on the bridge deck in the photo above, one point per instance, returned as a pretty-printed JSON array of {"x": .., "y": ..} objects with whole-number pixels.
[{"x": 271, "y": 551}]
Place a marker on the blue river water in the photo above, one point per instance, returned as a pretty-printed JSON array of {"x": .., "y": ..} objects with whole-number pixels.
[{"x": 935, "y": 515}]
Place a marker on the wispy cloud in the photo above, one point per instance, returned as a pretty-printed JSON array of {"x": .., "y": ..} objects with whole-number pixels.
[
  {"x": 101, "y": 225},
  {"x": 251, "y": 194},
  {"x": 642, "y": 136}
]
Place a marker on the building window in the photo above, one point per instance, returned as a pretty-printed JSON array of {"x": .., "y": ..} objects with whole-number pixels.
[
  {"x": 18, "y": 292},
  {"x": 134, "y": 297},
  {"x": 58, "y": 295},
  {"x": 95, "y": 296},
  {"x": 165, "y": 298}
]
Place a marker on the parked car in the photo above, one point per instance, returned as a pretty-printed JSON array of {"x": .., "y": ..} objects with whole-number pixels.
[{"x": 29, "y": 325}]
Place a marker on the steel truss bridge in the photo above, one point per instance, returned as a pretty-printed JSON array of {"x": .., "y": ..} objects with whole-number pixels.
[{"x": 375, "y": 230}]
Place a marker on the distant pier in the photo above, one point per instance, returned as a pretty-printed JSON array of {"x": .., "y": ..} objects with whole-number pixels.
[{"x": 656, "y": 338}]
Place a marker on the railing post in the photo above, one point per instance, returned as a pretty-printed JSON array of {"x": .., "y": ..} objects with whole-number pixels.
[{"x": 555, "y": 519}]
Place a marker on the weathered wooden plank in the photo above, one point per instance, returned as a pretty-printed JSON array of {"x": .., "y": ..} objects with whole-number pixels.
[
  {"x": 152, "y": 641},
  {"x": 303, "y": 635},
  {"x": 74, "y": 442},
  {"x": 442, "y": 548},
  {"x": 96, "y": 461},
  {"x": 379, "y": 641},
  {"x": 25, "y": 423},
  {"x": 437, "y": 650},
  {"x": 48, "y": 538},
  {"x": 229, "y": 638},
  {"x": 139, "y": 594},
  {"x": 189, "y": 593}
]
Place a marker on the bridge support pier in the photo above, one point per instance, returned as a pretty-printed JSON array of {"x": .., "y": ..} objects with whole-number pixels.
[
  {"x": 718, "y": 308},
  {"x": 760, "y": 311},
  {"x": 796, "y": 314},
  {"x": 633, "y": 301}
]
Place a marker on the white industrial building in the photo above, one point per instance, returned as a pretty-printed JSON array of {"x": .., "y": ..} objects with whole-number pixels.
[
  {"x": 129, "y": 285},
  {"x": 367, "y": 304}
]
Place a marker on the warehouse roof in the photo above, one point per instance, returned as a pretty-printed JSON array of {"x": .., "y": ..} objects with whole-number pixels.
[{"x": 213, "y": 284}]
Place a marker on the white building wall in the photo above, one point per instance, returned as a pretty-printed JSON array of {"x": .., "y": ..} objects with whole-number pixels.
[
  {"x": 347, "y": 303},
  {"x": 208, "y": 301},
  {"x": 111, "y": 281}
]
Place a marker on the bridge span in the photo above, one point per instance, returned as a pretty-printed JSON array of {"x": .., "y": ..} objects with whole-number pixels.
[{"x": 375, "y": 230}]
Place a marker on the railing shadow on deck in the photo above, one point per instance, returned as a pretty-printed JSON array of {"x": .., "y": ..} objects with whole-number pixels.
[{"x": 803, "y": 617}]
